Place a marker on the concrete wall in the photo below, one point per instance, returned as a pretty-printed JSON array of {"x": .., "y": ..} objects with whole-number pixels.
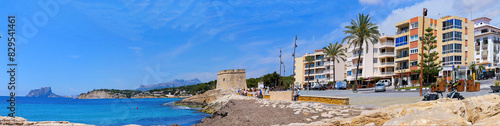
[
  {"x": 281, "y": 95},
  {"x": 299, "y": 71},
  {"x": 323, "y": 99},
  {"x": 231, "y": 79}
]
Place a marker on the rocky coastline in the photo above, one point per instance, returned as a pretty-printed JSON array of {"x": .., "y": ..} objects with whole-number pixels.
[
  {"x": 22, "y": 121},
  {"x": 227, "y": 108}
]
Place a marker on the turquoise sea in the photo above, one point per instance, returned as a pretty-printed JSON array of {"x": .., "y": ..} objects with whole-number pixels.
[{"x": 146, "y": 111}]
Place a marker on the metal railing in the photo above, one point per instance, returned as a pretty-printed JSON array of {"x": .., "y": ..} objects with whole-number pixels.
[
  {"x": 402, "y": 56},
  {"x": 387, "y": 63},
  {"x": 388, "y": 73},
  {"x": 387, "y": 44},
  {"x": 387, "y": 53},
  {"x": 401, "y": 32}
]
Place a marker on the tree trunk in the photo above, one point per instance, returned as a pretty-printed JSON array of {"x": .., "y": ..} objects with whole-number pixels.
[
  {"x": 334, "y": 84},
  {"x": 355, "y": 88}
]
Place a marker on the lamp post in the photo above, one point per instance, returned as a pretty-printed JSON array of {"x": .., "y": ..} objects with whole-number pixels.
[
  {"x": 279, "y": 82},
  {"x": 422, "y": 50}
]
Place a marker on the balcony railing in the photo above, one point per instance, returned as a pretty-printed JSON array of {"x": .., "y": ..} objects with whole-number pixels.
[
  {"x": 387, "y": 73},
  {"x": 401, "y": 32},
  {"x": 387, "y": 44},
  {"x": 357, "y": 65},
  {"x": 485, "y": 53},
  {"x": 386, "y": 53},
  {"x": 387, "y": 63},
  {"x": 356, "y": 55},
  {"x": 402, "y": 56}
]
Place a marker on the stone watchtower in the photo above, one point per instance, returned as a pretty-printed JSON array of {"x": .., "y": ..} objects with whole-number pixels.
[{"x": 231, "y": 79}]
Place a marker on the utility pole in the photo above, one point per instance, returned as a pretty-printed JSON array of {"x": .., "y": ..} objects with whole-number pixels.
[
  {"x": 422, "y": 50},
  {"x": 279, "y": 82},
  {"x": 294, "y": 46}
]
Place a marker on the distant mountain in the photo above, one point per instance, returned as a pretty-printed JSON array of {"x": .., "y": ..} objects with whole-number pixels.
[
  {"x": 175, "y": 83},
  {"x": 42, "y": 92}
]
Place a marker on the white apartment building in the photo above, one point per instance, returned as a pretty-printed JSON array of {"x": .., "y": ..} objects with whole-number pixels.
[
  {"x": 487, "y": 44},
  {"x": 320, "y": 70},
  {"x": 377, "y": 62}
]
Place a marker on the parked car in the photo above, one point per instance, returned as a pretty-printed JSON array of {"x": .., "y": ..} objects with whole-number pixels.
[
  {"x": 379, "y": 87},
  {"x": 386, "y": 82},
  {"x": 341, "y": 85},
  {"x": 318, "y": 86}
]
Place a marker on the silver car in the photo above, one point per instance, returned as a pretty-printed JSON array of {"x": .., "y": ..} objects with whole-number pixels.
[{"x": 379, "y": 87}]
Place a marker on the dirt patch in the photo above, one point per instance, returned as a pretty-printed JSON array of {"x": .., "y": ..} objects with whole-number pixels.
[{"x": 248, "y": 112}]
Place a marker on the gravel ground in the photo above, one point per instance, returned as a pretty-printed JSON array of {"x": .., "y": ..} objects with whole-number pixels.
[{"x": 247, "y": 112}]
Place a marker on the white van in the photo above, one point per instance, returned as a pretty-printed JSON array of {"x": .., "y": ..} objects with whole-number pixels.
[{"x": 386, "y": 82}]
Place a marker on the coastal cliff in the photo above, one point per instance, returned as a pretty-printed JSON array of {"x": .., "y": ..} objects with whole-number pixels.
[
  {"x": 42, "y": 92},
  {"x": 100, "y": 94}
]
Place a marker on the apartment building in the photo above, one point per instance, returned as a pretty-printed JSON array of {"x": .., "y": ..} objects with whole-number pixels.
[
  {"x": 319, "y": 70},
  {"x": 452, "y": 41},
  {"x": 487, "y": 43},
  {"x": 377, "y": 62}
]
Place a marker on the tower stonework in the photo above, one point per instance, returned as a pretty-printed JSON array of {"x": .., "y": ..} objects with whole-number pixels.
[{"x": 231, "y": 79}]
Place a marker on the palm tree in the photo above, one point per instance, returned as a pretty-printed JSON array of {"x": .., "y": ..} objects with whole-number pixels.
[
  {"x": 361, "y": 31},
  {"x": 309, "y": 60},
  {"x": 335, "y": 52}
]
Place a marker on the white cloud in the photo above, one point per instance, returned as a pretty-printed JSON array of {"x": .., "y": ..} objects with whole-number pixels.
[
  {"x": 137, "y": 50},
  {"x": 440, "y": 8},
  {"x": 371, "y": 2}
]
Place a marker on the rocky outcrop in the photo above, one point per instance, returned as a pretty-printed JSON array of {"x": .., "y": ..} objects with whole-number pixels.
[
  {"x": 482, "y": 110},
  {"x": 42, "y": 92},
  {"x": 202, "y": 100},
  {"x": 97, "y": 94},
  {"x": 21, "y": 121},
  {"x": 174, "y": 83}
]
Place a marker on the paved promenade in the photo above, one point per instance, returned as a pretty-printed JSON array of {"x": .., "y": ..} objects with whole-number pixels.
[{"x": 371, "y": 98}]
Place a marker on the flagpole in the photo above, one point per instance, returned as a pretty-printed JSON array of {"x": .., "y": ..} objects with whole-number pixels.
[
  {"x": 294, "y": 46},
  {"x": 279, "y": 82}
]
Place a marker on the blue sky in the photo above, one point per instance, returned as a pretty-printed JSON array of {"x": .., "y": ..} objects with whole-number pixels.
[{"x": 77, "y": 46}]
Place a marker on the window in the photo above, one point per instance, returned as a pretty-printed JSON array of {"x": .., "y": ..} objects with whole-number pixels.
[
  {"x": 450, "y": 36},
  {"x": 414, "y": 50},
  {"x": 375, "y": 60},
  {"x": 349, "y": 72},
  {"x": 375, "y": 50},
  {"x": 451, "y": 48},
  {"x": 432, "y": 26},
  {"x": 452, "y": 23},
  {"x": 414, "y": 38},
  {"x": 414, "y": 63},
  {"x": 403, "y": 53},
  {"x": 452, "y": 60},
  {"x": 400, "y": 41},
  {"x": 404, "y": 65},
  {"x": 414, "y": 25}
]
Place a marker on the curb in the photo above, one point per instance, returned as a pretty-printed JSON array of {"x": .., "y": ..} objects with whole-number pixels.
[{"x": 412, "y": 89}]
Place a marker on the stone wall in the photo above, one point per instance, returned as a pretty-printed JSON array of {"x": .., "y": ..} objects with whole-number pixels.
[
  {"x": 231, "y": 79},
  {"x": 325, "y": 99},
  {"x": 281, "y": 95}
]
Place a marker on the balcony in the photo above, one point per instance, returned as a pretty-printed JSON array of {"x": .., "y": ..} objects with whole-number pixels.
[
  {"x": 387, "y": 73},
  {"x": 388, "y": 43},
  {"x": 401, "y": 32},
  {"x": 386, "y": 63},
  {"x": 356, "y": 55},
  {"x": 402, "y": 56},
  {"x": 355, "y": 65},
  {"x": 484, "y": 53},
  {"x": 387, "y": 54}
]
